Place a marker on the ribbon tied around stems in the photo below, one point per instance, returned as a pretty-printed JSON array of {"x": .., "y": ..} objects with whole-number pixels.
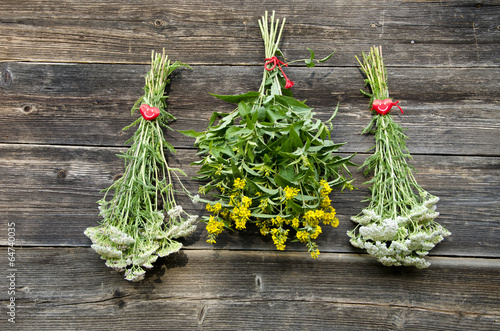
[
  {"x": 384, "y": 106},
  {"x": 277, "y": 62}
]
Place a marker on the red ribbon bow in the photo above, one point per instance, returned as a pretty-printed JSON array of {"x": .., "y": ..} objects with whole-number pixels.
[
  {"x": 384, "y": 106},
  {"x": 277, "y": 62}
]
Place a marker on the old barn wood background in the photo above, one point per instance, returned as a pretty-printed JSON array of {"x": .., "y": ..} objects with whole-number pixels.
[{"x": 71, "y": 71}]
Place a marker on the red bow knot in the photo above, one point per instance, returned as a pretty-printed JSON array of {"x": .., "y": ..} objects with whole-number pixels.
[{"x": 277, "y": 62}]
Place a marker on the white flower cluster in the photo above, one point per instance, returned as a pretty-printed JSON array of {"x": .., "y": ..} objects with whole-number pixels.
[
  {"x": 404, "y": 240},
  {"x": 175, "y": 211},
  {"x": 131, "y": 251}
]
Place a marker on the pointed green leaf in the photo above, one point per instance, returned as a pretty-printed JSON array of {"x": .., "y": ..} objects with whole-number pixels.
[{"x": 237, "y": 98}]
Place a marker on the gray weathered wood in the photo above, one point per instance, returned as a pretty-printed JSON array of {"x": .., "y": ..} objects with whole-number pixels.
[
  {"x": 247, "y": 290},
  {"x": 422, "y": 33},
  {"x": 69, "y": 74},
  {"x": 447, "y": 111}
]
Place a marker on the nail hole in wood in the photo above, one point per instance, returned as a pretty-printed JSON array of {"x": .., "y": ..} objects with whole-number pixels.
[{"x": 62, "y": 174}]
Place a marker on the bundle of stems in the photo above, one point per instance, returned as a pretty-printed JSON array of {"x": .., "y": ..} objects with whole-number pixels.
[
  {"x": 142, "y": 219},
  {"x": 398, "y": 226},
  {"x": 270, "y": 162}
]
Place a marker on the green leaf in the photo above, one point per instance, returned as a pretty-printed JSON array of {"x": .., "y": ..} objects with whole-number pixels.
[
  {"x": 327, "y": 57},
  {"x": 191, "y": 133},
  {"x": 263, "y": 189},
  {"x": 244, "y": 108},
  {"x": 237, "y": 98},
  {"x": 283, "y": 182},
  {"x": 312, "y": 53},
  {"x": 310, "y": 62},
  {"x": 304, "y": 197}
]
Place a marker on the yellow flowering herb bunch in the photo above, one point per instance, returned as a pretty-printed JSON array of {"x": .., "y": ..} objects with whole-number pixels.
[{"x": 270, "y": 162}]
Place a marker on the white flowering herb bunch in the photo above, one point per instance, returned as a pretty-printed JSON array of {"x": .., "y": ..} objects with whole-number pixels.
[
  {"x": 141, "y": 221},
  {"x": 270, "y": 162},
  {"x": 398, "y": 226}
]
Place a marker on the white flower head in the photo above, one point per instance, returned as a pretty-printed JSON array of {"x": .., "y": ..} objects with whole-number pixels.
[{"x": 175, "y": 212}]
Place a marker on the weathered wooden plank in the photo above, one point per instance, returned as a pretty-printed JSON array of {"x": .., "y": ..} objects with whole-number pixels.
[
  {"x": 71, "y": 288},
  {"x": 428, "y": 33},
  {"x": 50, "y": 193},
  {"x": 447, "y": 111}
]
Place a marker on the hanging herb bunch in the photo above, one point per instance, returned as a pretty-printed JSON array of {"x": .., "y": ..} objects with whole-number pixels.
[
  {"x": 270, "y": 162},
  {"x": 398, "y": 226},
  {"x": 142, "y": 219}
]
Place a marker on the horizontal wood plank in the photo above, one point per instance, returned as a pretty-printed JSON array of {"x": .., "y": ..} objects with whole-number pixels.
[
  {"x": 70, "y": 71},
  {"x": 423, "y": 33},
  {"x": 447, "y": 111},
  {"x": 50, "y": 192},
  {"x": 246, "y": 290}
]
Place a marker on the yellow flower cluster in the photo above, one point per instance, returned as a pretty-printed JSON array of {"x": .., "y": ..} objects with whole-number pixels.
[
  {"x": 215, "y": 225},
  {"x": 304, "y": 235},
  {"x": 291, "y": 192},
  {"x": 239, "y": 183},
  {"x": 279, "y": 238},
  {"x": 325, "y": 188},
  {"x": 215, "y": 208},
  {"x": 307, "y": 225},
  {"x": 241, "y": 213},
  {"x": 315, "y": 253}
]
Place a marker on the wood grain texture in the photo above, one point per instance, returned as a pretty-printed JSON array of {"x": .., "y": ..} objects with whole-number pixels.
[
  {"x": 450, "y": 111},
  {"x": 217, "y": 290},
  {"x": 423, "y": 33},
  {"x": 71, "y": 70}
]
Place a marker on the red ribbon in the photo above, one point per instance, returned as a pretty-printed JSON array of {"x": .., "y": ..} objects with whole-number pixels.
[{"x": 277, "y": 62}]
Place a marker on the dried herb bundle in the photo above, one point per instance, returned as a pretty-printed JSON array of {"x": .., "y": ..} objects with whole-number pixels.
[
  {"x": 135, "y": 230},
  {"x": 398, "y": 226}
]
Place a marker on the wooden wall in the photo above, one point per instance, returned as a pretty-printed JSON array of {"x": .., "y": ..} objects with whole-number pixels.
[{"x": 70, "y": 72}]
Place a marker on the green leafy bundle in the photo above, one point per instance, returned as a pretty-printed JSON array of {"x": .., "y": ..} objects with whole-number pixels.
[
  {"x": 135, "y": 230},
  {"x": 398, "y": 226},
  {"x": 269, "y": 162}
]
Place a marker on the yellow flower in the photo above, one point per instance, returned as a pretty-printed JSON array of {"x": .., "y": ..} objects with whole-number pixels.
[
  {"x": 329, "y": 217},
  {"x": 325, "y": 188},
  {"x": 295, "y": 222},
  {"x": 263, "y": 204},
  {"x": 215, "y": 208},
  {"x": 303, "y": 236},
  {"x": 277, "y": 221},
  {"x": 215, "y": 226},
  {"x": 325, "y": 202},
  {"x": 291, "y": 192},
  {"x": 279, "y": 238},
  {"x": 315, "y": 254},
  {"x": 219, "y": 169},
  {"x": 239, "y": 183},
  {"x": 316, "y": 233},
  {"x": 246, "y": 201}
]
